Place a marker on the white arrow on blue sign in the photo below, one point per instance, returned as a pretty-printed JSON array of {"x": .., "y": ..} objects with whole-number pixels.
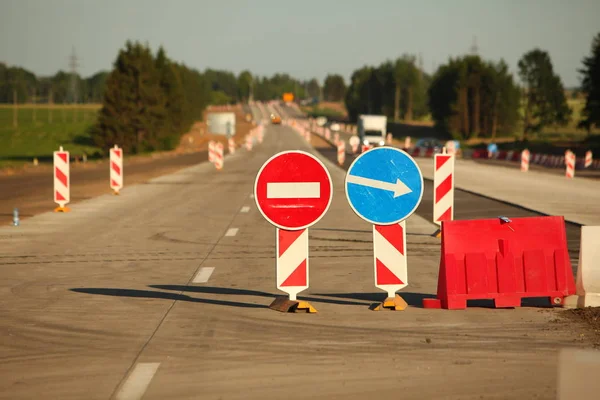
[{"x": 384, "y": 186}]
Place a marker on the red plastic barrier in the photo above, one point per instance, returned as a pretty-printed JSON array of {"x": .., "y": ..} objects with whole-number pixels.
[
  {"x": 491, "y": 259},
  {"x": 480, "y": 153}
]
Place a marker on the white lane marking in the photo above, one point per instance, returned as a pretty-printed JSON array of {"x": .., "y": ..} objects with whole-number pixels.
[
  {"x": 252, "y": 196},
  {"x": 203, "y": 275},
  {"x": 232, "y": 232},
  {"x": 293, "y": 190},
  {"x": 137, "y": 382},
  {"x": 245, "y": 209}
]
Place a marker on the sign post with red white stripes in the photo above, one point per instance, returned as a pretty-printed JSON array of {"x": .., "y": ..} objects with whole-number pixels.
[
  {"x": 354, "y": 142},
  {"x": 293, "y": 191},
  {"x": 211, "y": 151},
  {"x": 588, "y": 159},
  {"x": 116, "y": 169},
  {"x": 384, "y": 186},
  {"x": 62, "y": 176},
  {"x": 570, "y": 164},
  {"x": 219, "y": 158},
  {"x": 525, "y": 155},
  {"x": 443, "y": 189},
  {"x": 341, "y": 152}
]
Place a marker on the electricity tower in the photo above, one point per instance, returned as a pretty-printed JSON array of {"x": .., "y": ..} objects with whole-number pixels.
[{"x": 73, "y": 85}]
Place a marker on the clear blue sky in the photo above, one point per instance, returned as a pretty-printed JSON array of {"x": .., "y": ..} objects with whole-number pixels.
[{"x": 305, "y": 38}]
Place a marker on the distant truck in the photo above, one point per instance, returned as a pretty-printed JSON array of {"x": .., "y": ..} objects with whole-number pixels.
[{"x": 372, "y": 129}]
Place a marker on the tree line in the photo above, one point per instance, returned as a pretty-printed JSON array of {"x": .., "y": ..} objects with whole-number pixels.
[
  {"x": 472, "y": 97},
  {"x": 150, "y": 100},
  {"x": 397, "y": 89},
  {"x": 63, "y": 87}
]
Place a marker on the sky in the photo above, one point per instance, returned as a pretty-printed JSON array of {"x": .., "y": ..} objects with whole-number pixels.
[{"x": 308, "y": 38}]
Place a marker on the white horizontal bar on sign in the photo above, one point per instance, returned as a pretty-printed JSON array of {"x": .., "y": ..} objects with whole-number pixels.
[{"x": 293, "y": 190}]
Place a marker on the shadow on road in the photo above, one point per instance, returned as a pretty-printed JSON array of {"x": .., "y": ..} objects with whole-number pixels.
[
  {"x": 149, "y": 294},
  {"x": 246, "y": 292},
  {"x": 413, "y": 299}
]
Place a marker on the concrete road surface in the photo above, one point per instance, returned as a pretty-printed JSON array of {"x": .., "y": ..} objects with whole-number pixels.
[{"x": 162, "y": 293}]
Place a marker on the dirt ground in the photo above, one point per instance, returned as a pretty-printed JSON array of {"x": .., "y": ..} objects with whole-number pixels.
[{"x": 590, "y": 316}]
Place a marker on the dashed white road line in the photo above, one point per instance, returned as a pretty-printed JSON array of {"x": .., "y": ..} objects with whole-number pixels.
[
  {"x": 232, "y": 232},
  {"x": 252, "y": 196},
  {"x": 245, "y": 209},
  {"x": 203, "y": 275},
  {"x": 137, "y": 382}
]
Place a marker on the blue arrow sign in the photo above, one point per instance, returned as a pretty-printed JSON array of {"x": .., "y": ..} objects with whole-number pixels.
[{"x": 384, "y": 186}]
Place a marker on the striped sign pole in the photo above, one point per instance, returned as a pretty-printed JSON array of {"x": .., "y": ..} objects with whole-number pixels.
[
  {"x": 390, "y": 267},
  {"x": 443, "y": 189},
  {"x": 62, "y": 184},
  {"x": 116, "y": 169},
  {"x": 588, "y": 159},
  {"x": 231, "y": 145},
  {"x": 570, "y": 164},
  {"x": 341, "y": 152},
  {"x": 525, "y": 155},
  {"x": 219, "y": 156},
  {"x": 211, "y": 151}
]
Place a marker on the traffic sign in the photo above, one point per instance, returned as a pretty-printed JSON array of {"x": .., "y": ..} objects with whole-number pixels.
[
  {"x": 293, "y": 190},
  {"x": 384, "y": 185}
]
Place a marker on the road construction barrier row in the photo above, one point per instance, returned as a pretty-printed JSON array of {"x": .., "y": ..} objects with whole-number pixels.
[
  {"x": 62, "y": 175},
  {"x": 546, "y": 160}
]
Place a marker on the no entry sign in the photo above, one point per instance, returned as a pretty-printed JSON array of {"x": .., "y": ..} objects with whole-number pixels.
[{"x": 293, "y": 190}]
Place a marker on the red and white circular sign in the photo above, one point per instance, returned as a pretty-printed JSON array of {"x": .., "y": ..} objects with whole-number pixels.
[{"x": 293, "y": 190}]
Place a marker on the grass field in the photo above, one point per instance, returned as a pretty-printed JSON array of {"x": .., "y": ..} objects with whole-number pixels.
[{"x": 41, "y": 129}]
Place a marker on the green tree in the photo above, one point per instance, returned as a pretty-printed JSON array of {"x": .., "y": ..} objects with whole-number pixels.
[
  {"x": 590, "y": 85},
  {"x": 244, "y": 85},
  {"x": 134, "y": 103},
  {"x": 545, "y": 100},
  {"x": 170, "y": 83},
  {"x": 472, "y": 97},
  {"x": 406, "y": 77},
  {"x": 334, "y": 88},
  {"x": 313, "y": 88}
]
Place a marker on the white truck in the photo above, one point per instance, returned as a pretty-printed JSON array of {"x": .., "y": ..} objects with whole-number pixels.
[{"x": 372, "y": 129}]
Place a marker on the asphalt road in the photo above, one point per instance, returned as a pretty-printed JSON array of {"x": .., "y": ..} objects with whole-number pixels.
[{"x": 162, "y": 292}]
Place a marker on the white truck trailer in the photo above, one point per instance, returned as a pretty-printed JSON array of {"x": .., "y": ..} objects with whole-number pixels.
[{"x": 372, "y": 129}]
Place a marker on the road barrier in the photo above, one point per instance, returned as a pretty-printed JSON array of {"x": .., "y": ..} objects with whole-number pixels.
[
  {"x": 354, "y": 142},
  {"x": 503, "y": 260},
  {"x": 249, "y": 142},
  {"x": 588, "y": 159},
  {"x": 388, "y": 139},
  {"x": 231, "y": 145},
  {"x": 341, "y": 152},
  {"x": 219, "y": 159},
  {"x": 443, "y": 188},
  {"x": 62, "y": 184},
  {"x": 211, "y": 151},
  {"x": 336, "y": 138},
  {"x": 570, "y": 164},
  {"x": 116, "y": 169},
  {"x": 525, "y": 160},
  {"x": 588, "y": 270}
]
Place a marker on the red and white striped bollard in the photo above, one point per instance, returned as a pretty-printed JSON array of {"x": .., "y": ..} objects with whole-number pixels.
[
  {"x": 588, "y": 159},
  {"x": 443, "y": 188},
  {"x": 219, "y": 159},
  {"x": 341, "y": 152},
  {"x": 62, "y": 184},
  {"x": 116, "y": 169},
  {"x": 525, "y": 155}
]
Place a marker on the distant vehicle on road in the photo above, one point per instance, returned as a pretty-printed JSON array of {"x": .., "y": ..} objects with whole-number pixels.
[
  {"x": 429, "y": 143},
  {"x": 372, "y": 129},
  {"x": 275, "y": 119}
]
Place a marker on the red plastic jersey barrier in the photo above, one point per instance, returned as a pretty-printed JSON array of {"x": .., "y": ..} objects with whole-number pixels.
[{"x": 503, "y": 261}]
